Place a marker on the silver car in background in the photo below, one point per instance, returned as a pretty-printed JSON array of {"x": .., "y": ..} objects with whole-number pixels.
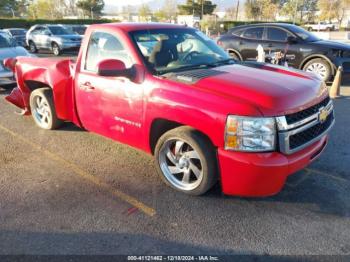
[
  {"x": 19, "y": 34},
  {"x": 8, "y": 49},
  {"x": 56, "y": 38}
]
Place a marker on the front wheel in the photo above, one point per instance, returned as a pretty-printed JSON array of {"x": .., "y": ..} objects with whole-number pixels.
[
  {"x": 319, "y": 67},
  {"x": 32, "y": 47},
  {"x": 56, "y": 49},
  {"x": 186, "y": 161},
  {"x": 43, "y": 109}
]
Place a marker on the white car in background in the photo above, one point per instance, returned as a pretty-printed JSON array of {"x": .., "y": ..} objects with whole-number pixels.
[
  {"x": 9, "y": 49},
  {"x": 322, "y": 26}
]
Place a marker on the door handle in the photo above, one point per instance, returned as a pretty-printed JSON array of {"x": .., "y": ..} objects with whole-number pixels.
[{"x": 87, "y": 86}]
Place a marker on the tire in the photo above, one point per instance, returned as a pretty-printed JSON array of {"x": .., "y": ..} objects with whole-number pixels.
[
  {"x": 43, "y": 109},
  {"x": 234, "y": 55},
  {"x": 319, "y": 66},
  {"x": 32, "y": 47},
  {"x": 186, "y": 161},
  {"x": 56, "y": 49}
]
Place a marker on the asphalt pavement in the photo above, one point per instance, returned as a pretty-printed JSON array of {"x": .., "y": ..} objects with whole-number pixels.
[{"x": 72, "y": 192}]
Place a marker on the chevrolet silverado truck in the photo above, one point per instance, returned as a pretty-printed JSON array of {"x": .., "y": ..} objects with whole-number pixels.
[{"x": 172, "y": 92}]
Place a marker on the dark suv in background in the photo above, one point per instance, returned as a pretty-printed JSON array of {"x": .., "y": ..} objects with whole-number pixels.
[
  {"x": 303, "y": 49},
  {"x": 52, "y": 37}
]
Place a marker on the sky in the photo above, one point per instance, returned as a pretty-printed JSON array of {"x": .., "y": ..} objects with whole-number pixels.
[{"x": 121, "y": 3}]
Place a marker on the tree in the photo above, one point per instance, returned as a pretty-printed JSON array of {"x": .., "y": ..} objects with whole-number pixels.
[
  {"x": 47, "y": 9},
  {"x": 92, "y": 8},
  {"x": 333, "y": 9},
  {"x": 297, "y": 10},
  {"x": 12, "y": 8},
  {"x": 167, "y": 12},
  {"x": 144, "y": 13},
  {"x": 261, "y": 9},
  {"x": 197, "y": 8}
]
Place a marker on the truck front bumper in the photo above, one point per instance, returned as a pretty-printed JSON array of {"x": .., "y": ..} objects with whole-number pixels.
[{"x": 263, "y": 174}]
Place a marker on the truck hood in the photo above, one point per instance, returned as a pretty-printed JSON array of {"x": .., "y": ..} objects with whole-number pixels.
[{"x": 273, "y": 90}]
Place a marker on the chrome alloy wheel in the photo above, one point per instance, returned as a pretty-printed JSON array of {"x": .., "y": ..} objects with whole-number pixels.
[
  {"x": 318, "y": 68},
  {"x": 181, "y": 164},
  {"x": 56, "y": 49},
  {"x": 41, "y": 112}
]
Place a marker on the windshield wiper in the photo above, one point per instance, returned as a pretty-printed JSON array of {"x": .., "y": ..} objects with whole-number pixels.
[
  {"x": 223, "y": 62},
  {"x": 184, "y": 68}
]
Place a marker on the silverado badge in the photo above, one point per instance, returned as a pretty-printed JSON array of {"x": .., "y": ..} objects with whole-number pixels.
[{"x": 323, "y": 114}]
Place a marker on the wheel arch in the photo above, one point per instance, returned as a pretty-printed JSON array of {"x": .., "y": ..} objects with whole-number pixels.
[
  {"x": 236, "y": 52},
  {"x": 315, "y": 56},
  {"x": 160, "y": 126}
]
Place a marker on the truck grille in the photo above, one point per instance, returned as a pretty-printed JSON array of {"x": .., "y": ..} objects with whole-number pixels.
[
  {"x": 295, "y": 117},
  {"x": 307, "y": 135},
  {"x": 299, "y": 130}
]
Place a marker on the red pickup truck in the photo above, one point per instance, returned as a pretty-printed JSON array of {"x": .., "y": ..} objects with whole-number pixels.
[{"x": 172, "y": 92}]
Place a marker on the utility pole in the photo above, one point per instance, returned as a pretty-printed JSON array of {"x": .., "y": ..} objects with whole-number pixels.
[
  {"x": 13, "y": 13},
  {"x": 237, "y": 9},
  {"x": 296, "y": 10},
  {"x": 202, "y": 9},
  {"x": 91, "y": 12}
]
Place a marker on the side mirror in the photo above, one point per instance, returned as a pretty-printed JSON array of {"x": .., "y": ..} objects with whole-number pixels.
[
  {"x": 10, "y": 63},
  {"x": 292, "y": 40},
  {"x": 114, "y": 67}
]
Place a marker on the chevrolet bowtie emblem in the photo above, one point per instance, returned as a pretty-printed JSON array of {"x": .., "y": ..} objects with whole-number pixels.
[{"x": 323, "y": 114}]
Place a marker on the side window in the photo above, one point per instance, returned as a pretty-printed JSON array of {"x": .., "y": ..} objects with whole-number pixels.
[
  {"x": 237, "y": 32},
  {"x": 37, "y": 30},
  {"x": 254, "y": 33},
  {"x": 104, "y": 46},
  {"x": 44, "y": 31},
  {"x": 276, "y": 34}
]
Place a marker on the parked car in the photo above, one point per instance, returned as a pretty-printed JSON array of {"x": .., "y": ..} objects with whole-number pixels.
[
  {"x": 322, "y": 26},
  {"x": 19, "y": 34},
  {"x": 78, "y": 29},
  {"x": 204, "y": 116},
  {"x": 52, "y": 37},
  {"x": 8, "y": 49},
  {"x": 303, "y": 49}
]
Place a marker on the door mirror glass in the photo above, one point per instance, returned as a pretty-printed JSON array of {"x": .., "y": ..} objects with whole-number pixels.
[{"x": 114, "y": 67}]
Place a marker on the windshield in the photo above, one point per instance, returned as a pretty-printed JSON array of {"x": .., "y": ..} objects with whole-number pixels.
[
  {"x": 60, "y": 30},
  {"x": 303, "y": 34},
  {"x": 17, "y": 32},
  {"x": 170, "y": 50},
  {"x": 80, "y": 30},
  {"x": 6, "y": 41}
]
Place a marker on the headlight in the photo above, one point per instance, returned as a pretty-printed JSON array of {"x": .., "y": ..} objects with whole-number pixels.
[{"x": 251, "y": 134}]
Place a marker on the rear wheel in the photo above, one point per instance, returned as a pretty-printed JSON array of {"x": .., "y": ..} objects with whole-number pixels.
[
  {"x": 56, "y": 49},
  {"x": 186, "y": 161},
  {"x": 32, "y": 47},
  {"x": 320, "y": 67},
  {"x": 43, "y": 109}
]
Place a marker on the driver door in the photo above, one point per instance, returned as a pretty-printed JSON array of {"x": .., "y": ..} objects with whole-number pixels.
[{"x": 110, "y": 106}]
